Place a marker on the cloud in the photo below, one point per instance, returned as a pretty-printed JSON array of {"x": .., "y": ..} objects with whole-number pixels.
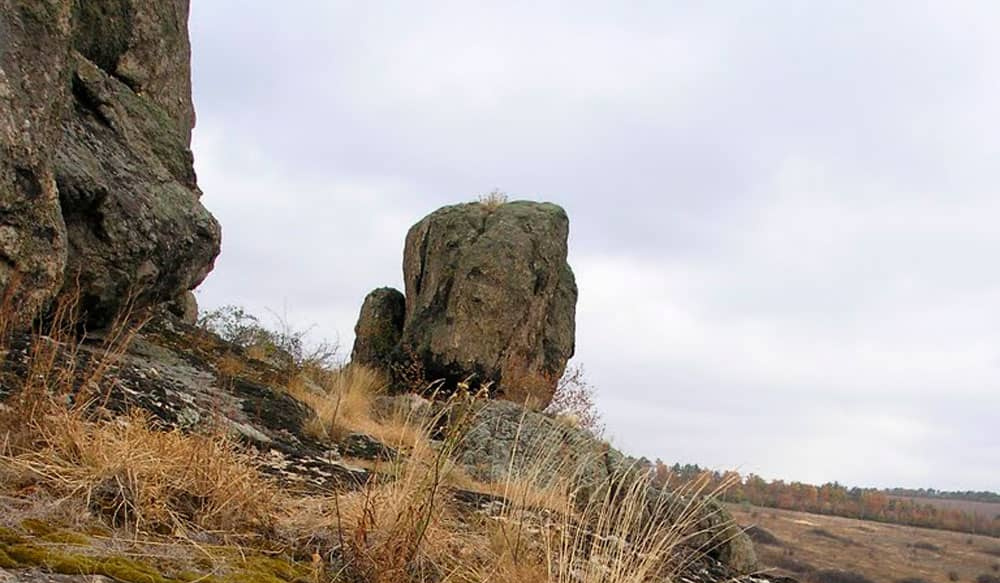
[{"x": 783, "y": 215}]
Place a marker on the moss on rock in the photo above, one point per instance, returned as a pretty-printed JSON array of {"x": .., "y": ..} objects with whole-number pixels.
[{"x": 18, "y": 552}]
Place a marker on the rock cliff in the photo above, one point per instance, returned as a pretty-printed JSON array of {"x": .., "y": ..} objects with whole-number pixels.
[{"x": 98, "y": 194}]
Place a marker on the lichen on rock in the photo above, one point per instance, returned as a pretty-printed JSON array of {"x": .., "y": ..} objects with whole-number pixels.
[{"x": 97, "y": 184}]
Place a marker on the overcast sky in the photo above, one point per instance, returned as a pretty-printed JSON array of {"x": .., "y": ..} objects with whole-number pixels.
[{"x": 784, "y": 217}]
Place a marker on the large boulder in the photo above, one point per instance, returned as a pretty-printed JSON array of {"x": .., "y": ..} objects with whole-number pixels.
[
  {"x": 34, "y": 88},
  {"x": 490, "y": 298},
  {"x": 379, "y": 328},
  {"x": 98, "y": 176}
]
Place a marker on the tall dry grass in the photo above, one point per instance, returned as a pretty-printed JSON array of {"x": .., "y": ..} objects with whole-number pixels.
[
  {"x": 136, "y": 476},
  {"x": 59, "y": 442},
  {"x": 556, "y": 527},
  {"x": 404, "y": 525}
]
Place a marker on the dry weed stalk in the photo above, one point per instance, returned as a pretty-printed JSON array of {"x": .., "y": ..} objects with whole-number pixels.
[{"x": 401, "y": 523}]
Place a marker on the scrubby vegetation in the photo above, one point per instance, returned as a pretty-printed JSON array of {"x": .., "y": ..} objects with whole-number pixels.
[
  {"x": 574, "y": 402},
  {"x": 85, "y": 490},
  {"x": 279, "y": 341}
]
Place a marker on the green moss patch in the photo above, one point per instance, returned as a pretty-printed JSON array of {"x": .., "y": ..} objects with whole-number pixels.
[
  {"x": 37, "y": 527},
  {"x": 18, "y": 553},
  {"x": 66, "y": 537},
  {"x": 10, "y": 537},
  {"x": 6, "y": 561}
]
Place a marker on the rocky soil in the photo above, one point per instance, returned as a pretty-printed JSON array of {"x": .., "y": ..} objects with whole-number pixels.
[{"x": 186, "y": 378}]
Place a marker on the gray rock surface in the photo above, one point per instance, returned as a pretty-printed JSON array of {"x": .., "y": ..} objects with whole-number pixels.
[
  {"x": 490, "y": 295},
  {"x": 504, "y": 437},
  {"x": 172, "y": 370},
  {"x": 34, "y": 91},
  {"x": 506, "y": 440},
  {"x": 379, "y": 327},
  {"x": 97, "y": 180},
  {"x": 185, "y": 307}
]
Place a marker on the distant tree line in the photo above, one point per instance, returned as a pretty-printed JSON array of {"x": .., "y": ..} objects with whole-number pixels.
[
  {"x": 897, "y": 505},
  {"x": 969, "y": 495}
]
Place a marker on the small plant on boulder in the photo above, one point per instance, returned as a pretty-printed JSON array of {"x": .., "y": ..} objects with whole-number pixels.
[{"x": 493, "y": 199}]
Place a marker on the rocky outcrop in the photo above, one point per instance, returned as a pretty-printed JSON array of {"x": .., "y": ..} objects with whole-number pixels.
[
  {"x": 379, "y": 327},
  {"x": 192, "y": 380},
  {"x": 188, "y": 379},
  {"x": 97, "y": 184},
  {"x": 505, "y": 440},
  {"x": 185, "y": 308},
  {"x": 490, "y": 298},
  {"x": 34, "y": 90}
]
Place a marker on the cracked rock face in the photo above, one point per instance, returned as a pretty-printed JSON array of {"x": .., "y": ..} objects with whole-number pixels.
[
  {"x": 490, "y": 295},
  {"x": 97, "y": 185}
]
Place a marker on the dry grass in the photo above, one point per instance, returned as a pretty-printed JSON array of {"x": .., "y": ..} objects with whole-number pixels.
[
  {"x": 493, "y": 199},
  {"x": 402, "y": 525},
  {"x": 58, "y": 443},
  {"x": 343, "y": 401},
  {"x": 64, "y": 456},
  {"x": 140, "y": 478},
  {"x": 878, "y": 551},
  {"x": 617, "y": 535}
]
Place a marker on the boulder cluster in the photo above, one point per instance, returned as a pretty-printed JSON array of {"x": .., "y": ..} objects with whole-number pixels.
[
  {"x": 99, "y": 199},
  {"x": 490, "y": 302},
  {"x": 98, "y": 194}
]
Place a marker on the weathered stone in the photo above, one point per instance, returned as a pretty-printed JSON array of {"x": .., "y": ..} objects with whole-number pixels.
[
  {"x": 505, "y": 440},
  {"x": 185, "y": 307},
  {"x": 504, "y": 437},
  {"x": 34, "y": 89},
  {"x": 490, "y": 298},
  {"x": 364, "y": 446},
  {"x": 379, "y": 327},
  {"x": 97, "y": 187},
  {"x": 135, "y": 227}
]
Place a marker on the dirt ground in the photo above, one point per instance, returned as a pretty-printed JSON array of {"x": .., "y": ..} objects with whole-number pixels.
[{"x": 883, "y": 553}]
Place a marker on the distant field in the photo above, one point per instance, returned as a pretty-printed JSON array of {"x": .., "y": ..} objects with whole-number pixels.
[
  {"x": 802, "y": 545},
  {"x": 988, "y": 509}
]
